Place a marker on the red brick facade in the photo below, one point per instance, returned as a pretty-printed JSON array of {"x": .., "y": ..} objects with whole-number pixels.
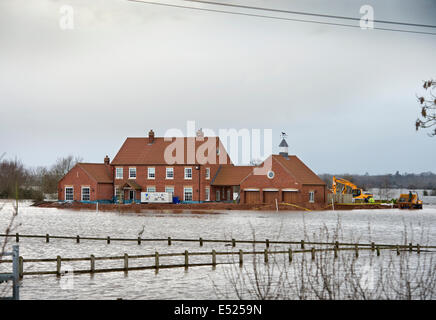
[
  {"x": 78, "y": 178},
  {"x": 289, "y": 180}
]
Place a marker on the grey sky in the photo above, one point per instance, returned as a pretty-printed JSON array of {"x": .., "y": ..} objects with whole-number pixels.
[{"x": 346, "y": 97}]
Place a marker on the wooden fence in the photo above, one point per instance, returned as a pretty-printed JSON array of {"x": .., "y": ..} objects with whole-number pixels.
[
  {"x": 201, "y": 241},
  {"x": 213, "y": 262}
]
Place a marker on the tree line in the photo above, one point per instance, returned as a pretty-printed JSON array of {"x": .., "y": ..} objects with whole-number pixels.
[
  {"x": 18, "y": 181},
  {"x": 424, "y": 180}
]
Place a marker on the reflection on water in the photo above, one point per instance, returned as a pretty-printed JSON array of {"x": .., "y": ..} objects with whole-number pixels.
[{"x": 386, "y": 226}]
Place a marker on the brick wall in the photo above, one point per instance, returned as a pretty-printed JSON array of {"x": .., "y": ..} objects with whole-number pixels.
[
  {"x": 77, "y": 179},
  {"x": 178, "y": 182}
]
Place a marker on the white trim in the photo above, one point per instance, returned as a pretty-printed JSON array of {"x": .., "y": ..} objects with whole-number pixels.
[
  {"x": 148, "y": 173},
  {"x": 65, "y": 194},
  {"x": 290, "y": 190},
  {"x": 136, "y": 173},
  {"x": 81, "y": 195},
  {"x": 122, "y": 173},
  {"x": 192, "y": 173},
  {"x": 192, "y": 193},
  {"x": 313, "y": 193},
  {"x": 270, "y": 189},
  {"x": 251, "y": 189},
  {"x": 207, "y": 193},
  {"x": 166, "y": 173}
]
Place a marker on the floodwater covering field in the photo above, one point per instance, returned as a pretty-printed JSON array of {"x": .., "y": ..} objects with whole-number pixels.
[{"x": 381, "y": 226}]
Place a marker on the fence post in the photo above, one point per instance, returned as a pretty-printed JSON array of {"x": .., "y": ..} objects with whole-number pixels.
[
  {"x": 58, "y": 265},
  {"x": 126, "y": 262},
  {"x": 108, "y": 240},
  {"x": 302, "y": 244},
  {"x": 378, "y": 251},
  {"x": 156, "y": 260},
  {"x": 418, "y": 248},
  {"x": 169, "y": 241},
  {"x": 267, "y": 243},
  {"x": 313, "y": 253},
  {"x": 410, "y": 247},
  {"x": 201, "y": 242},
  {"x": 265, "y": 254},
  {"x": 336, "y": 251},
  {"x": 78, "y": 239},
  {"x": 47, "y": 238},
  {"x": 233, "y": 243},
  {"x": 241, "y": 258},
  {"x": 398, "y": 250},
  {"x": 186, "y": 259},
  {"x": 92, "y": 263},
  {"x": 139, "y": 240},
  {"x": 17, "y": 237},
  {"x": 372, "y": 246},
  {"x": 21, "y": 267},
  {"x": 213, "y": 258},
  {"x": 356, "y": 249},
  {"x": 290, "y": 255}
]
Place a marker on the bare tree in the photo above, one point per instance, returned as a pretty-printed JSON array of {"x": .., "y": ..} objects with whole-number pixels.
[
  {"x": 333, "y": 274},
  {"x": 428, "y": 108}
]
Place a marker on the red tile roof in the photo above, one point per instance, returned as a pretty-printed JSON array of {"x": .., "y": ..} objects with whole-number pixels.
[
  {"x": 299, "y": 170},
  {"x": 139, "y": 151},
  {"x": 98, "y": 171},
  {"x": 231, "y": 175}
]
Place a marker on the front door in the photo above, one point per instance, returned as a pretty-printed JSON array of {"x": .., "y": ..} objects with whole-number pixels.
[{"x": 132, "y": 194}]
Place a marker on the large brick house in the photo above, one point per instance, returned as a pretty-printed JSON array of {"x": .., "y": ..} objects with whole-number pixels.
[{"x": 199, "y": 173}]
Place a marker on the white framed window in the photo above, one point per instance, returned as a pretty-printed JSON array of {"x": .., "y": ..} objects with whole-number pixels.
[
  {"x": 118, "y": 173},
  {"x": 151, "y": 173},
  {"x": 117, "y": 193},
  {"x": 86, "y": 194},
  {"x": 218, "y": 198},
  {"x": 207, "y": 194},
  {"x": 208, "y": 173},
  {"x": 69, "y": 193},
  {"x": 312, "y": 196},
  {"x": 132, "y": 173},
  {"x": 151, "y": 189},
  {"x": 169, "y": 189},
  {"x": 188, "y": 173},
  {"x": 170, "y": 173},
  {"x": 187, "y": 194}
]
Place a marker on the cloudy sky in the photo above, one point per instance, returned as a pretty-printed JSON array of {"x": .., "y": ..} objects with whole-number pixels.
[{"x": 346, "y": 97}]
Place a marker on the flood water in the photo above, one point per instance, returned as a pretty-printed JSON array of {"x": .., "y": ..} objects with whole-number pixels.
[{"x": 381, "y": 226}]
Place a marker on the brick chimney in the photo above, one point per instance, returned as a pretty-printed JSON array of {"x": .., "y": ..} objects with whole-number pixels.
[
  {"x": 107, "y": 160},
  {"x": 151, "y": 136}
]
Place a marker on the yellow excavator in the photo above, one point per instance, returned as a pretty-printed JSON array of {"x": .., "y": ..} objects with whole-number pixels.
[
  {"x": 409, "y": 201},
  {"x": 343, "y": 186}
]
